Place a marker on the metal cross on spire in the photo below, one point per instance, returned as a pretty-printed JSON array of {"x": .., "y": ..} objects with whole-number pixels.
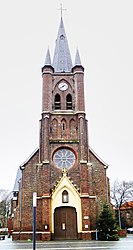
[{"x": 61, "y": 9}]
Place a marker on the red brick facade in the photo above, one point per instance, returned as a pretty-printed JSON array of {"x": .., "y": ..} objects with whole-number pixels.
[
  {"x": 126, "y": 211},
  {"x": 63, "y": 126}
]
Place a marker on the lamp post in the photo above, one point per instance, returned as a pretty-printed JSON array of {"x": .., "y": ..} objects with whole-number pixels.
[
  {"x": 119, "y": 216},
  {"x": 34, "y": 220}
]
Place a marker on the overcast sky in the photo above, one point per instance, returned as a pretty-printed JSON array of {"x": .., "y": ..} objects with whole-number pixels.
[{"x": 103, "y": 32}]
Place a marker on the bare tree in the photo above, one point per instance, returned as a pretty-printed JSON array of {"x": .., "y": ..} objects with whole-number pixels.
[
  {"x": 5, "y": 197},
  {"x": 3, "y": 194},
  {"x": 121, "y": 192}
]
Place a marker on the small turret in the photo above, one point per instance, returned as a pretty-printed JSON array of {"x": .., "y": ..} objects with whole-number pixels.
[
  {"x": 48, "y": 58},
  {"x": 47, "y": 65},
  {"x": 77, "y": 59},
  {"x": 77, "y": 64}
]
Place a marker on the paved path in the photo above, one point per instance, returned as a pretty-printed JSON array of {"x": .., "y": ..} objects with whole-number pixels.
[{"x": 122, "y": 244}]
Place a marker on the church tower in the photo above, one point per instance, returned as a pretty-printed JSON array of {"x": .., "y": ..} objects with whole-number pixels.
[
  {"x": 69, "y": 178},
  {"x": 63, "y": 136}
]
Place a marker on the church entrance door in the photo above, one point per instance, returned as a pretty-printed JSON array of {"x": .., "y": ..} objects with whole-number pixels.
[{"x": 65, "y": 223}]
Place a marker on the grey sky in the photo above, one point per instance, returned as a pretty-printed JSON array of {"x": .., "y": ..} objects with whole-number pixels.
[{"x": 103, "y": 32}]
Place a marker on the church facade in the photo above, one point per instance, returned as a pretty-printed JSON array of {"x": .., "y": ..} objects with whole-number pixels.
[{"x": 68, "y": 176}]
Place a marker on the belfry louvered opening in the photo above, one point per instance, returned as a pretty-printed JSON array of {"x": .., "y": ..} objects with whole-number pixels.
[
  {"x": 68, "y": 101},
  {"x": 57, "y": 103}
]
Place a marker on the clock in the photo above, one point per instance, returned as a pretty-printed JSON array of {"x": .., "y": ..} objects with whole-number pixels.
[
  {"x": 63, "y": 86},
  {"x": 64, "y": 158}
]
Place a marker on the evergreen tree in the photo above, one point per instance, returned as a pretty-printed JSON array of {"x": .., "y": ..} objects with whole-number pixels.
[{"x": 106, "y": 223}]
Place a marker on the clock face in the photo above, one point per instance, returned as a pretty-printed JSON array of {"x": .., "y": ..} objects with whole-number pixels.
[
  {"x": 63, "y": 86},
  {"x": 64, "y": 158}
]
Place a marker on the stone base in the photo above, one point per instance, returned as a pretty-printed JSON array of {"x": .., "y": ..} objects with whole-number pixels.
[
  {"x": 44, "y": 236},
  {"x": 86, "y": 235}
]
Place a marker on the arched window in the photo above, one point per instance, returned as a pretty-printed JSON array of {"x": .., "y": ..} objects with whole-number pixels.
[
  {"x": 63, "y": 124},
  {"x": 68, "y": 101},
  {"x": 65, "y": 197},
  {"x": 57, "y": 103}
]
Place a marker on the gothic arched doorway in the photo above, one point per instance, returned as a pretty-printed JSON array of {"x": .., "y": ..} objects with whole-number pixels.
[{"x": 65, "y": 223}]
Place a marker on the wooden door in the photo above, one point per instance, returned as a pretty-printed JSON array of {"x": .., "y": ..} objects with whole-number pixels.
[{"x": 65, "y": 223}]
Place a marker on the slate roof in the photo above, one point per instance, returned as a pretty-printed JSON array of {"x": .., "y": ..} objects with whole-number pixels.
[
  {"x": 18, "y": 178},
  {"x": 48, "y": 58},
  {"x": 77, "y": 59},
  {"x": 19, "y": 171},
  {"x": 62, "y": 59}
]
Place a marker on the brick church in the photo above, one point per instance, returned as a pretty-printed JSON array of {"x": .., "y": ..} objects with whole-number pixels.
[{"x": 68, "y": 176}]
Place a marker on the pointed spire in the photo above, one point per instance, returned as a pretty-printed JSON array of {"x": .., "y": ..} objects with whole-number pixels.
[
  {"x": 62, "y": 59},
  {"x": 47, "y": 64},
  {"x": 77, "y": 59},
  {"x": 48, "y": 58},
  {"x": 77, "y": 63}
]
